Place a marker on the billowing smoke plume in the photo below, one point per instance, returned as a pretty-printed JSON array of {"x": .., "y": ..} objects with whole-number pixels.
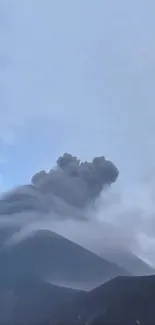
[
  {"x": 72, "y": 182},
  {"x": 75, "y": 199},
  {"x": 66, "y": 192},
  {"x": 76, "y": 182}
]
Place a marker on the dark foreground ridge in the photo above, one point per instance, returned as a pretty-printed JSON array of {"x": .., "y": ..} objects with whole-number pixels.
[{"x": 123, "y": 301}]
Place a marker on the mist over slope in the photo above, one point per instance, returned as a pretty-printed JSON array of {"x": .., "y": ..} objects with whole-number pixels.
[
  {"x": 105, "y": 240},
  {"x": 46, "y": 255}
]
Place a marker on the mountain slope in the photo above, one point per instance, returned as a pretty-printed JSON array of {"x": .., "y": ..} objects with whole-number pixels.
[
  {"x": 126, "y": 259},
  {"x": 49, "y": 256},
  {"x": 34, "y": 302},
  {"x": 120, "y": 301},
  {"x": 105, "y": 240}
]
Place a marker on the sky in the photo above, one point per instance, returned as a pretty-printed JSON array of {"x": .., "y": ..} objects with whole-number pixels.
[
  {"x": 79, "y": 76},
  {"x": 76, "y": 76}
]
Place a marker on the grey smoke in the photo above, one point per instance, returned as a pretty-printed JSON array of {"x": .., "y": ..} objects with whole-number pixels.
[
  {"x": 71, "y": 183},
  {"x": 75, "y": 199},
  {"x": 67, "y": 191},
  {"x": 76, "y": 182}
]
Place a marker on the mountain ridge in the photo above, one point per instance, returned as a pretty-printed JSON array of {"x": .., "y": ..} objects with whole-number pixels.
[{"x": 55, "y": 258}]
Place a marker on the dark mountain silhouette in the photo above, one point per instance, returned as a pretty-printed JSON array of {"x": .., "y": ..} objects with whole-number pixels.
[
  {"x": 33, "y": 301},
  {"x": 123, "y": 301},
  {"x": 50, "y": 256}
]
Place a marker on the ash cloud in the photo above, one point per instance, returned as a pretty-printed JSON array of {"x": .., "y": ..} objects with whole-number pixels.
[
  {"x": 72, "y": 182},
  {"x": 68, "y": 191},
  {"x": 76, "y": 182},
  {"x": 75, "y": 200}
]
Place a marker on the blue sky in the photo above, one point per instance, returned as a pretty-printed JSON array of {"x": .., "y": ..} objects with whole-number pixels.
[{"x": 76, "y": 76}]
